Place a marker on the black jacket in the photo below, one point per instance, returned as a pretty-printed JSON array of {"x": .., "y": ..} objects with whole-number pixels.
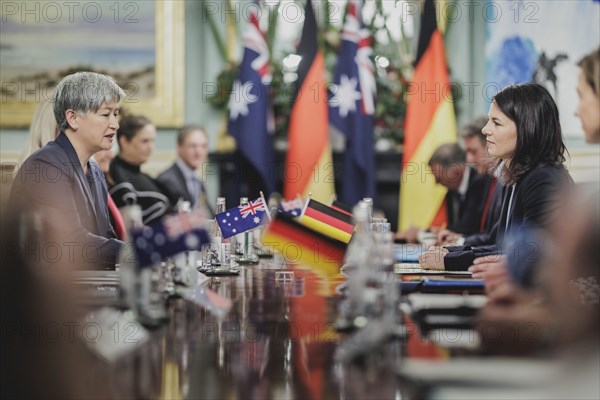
[
  {"x": 535, "y": 201},
  {"x": 470, "y": 209}
]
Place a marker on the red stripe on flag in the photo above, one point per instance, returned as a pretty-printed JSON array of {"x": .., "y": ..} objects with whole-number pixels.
[{"x": 329, "y": 220}]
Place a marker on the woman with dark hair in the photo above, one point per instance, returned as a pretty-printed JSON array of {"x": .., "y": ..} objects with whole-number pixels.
[
  {"x": 136, "y": 136},
  {"x": 523, "y": 132},
  {"x": 588, "y": 90}
]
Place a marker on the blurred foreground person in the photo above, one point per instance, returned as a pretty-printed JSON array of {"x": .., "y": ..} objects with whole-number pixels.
[{"x": 63, "y": 185}]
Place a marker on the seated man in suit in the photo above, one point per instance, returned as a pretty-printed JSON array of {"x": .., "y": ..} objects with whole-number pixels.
[
  {"x": 465, "y": 187},
  {"x": 60, "y": 188},
  {"x": 181, "y": 177}
]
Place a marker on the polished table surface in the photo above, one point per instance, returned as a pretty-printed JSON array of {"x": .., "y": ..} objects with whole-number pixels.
[{"x": 277, "y": 341}]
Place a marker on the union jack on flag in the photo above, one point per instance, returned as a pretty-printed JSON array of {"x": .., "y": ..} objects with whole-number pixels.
[
  {"x": 243, "y": 218},
  {"x": 252, "y": 207}
]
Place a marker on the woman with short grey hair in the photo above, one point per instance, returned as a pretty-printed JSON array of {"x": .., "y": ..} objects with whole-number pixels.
[{"x": 61, "y": 183}]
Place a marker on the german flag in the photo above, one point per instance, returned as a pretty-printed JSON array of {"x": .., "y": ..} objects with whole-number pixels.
[
  {"x": 328, "y": 221},
  {"x": 301, "y": 245},
  {"x": 309, "y": 165},
  {"x": 341, "y": 207},
  {"x": 430, "y": 122}
]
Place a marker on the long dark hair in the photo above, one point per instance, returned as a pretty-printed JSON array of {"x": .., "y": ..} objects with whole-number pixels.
[
  {"x": 539, "y": 135},
  {"x": 130, "y": 125}
]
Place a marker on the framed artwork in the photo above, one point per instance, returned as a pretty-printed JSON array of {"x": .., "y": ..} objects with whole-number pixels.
[
  {"x": 533, "y": 41},
  {"x": 139, "y": 43}
]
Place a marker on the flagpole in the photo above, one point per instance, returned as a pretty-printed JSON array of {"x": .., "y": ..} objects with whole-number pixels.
[
  {"x": 308, "y": 199},
  {"x": 266, "y": 206}
]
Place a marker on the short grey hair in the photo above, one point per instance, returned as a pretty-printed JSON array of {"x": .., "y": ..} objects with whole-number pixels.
[
  {"x": 83, "y": 92},
  {"x": 448, "y": 154}
]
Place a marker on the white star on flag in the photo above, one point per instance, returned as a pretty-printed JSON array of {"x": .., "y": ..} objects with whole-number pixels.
[
  {"x": 345, "y": 95},
  {"x": 256, "y": 220},
  {"x": 240, "y": 99}
]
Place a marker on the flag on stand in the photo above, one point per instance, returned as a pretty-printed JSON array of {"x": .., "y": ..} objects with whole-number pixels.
[
  {"x": 250, "y": 119},
  {"x": 169, "y": 236},
  {"x": 430, "y": 122},
  {"x": 300, "y": 244},
  {"x": 352, "y": 107},
  {"x": 243, "y": 218},
  {"x": 293, "y": 208},
  {"x": 341, "y": 207},
  {"x": 309, "y": 165},
  {"x": 328, "y": 221}
]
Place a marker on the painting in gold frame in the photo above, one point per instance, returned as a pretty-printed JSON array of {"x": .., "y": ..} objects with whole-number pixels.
[{"x": 152, "y": 75}]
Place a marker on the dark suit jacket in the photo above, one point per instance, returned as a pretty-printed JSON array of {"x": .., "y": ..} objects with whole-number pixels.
[
  {"x": 469, "y": 212},
  {"x": 174, "y": 180},
  {"x": 488, "y": 236},
  {"x": 535, "y": 201},
  {"x": 74, "y": 206}
]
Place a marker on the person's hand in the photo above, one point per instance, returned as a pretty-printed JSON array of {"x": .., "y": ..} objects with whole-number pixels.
[
  {"x": 446, "y": 237},
  {"x": 492, "y": 269},
  {"x": 410, "y": 235},
  {"x": 434, "y": 229},
  {"x": 433, "y": 258}
]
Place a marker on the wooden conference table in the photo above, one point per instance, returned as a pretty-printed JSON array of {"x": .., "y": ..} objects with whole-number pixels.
[{"x": 277, "y": 341}]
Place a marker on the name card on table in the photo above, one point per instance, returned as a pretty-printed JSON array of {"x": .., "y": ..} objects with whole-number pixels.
[{"x": 111, "y": 334}]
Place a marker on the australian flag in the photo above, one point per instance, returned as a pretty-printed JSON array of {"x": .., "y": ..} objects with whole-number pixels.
[
  {"x": 243, "y": 218},
  {"x": 293, "y": 208},
  {"x": 352, "y": 107},
  {"x": 169, "y": 236},
  {"x": 250, "y": 117}
]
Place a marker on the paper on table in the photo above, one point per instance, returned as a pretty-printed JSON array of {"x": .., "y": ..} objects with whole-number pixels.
[
  {"x": 419, "y": 301},
  {"x": 111, "y": 333},
  {"x": 408, "y": 268},
  {"x": 500, "y": 371}
]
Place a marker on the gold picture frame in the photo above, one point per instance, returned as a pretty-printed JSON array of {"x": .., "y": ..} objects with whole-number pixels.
[{"x": 165, "y": 108}]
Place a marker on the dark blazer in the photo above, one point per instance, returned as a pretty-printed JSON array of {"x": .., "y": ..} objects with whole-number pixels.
[
  {"x": 132, "y": 186},
  {"x": 174, "y": 180},
  {"x": 469, "y": 212},
  {"x": 535, "y": 201},
  {"x": 74, "y": 206},
  {"x": 488, "y": 236}
]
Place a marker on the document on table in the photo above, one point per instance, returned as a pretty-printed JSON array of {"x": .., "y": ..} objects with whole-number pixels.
[{"x": 415, "y": 269}]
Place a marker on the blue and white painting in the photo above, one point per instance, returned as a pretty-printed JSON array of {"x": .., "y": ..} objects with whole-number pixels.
[
  {"x": 542, "y": 41},
  {"x": 40, "y": 42}
]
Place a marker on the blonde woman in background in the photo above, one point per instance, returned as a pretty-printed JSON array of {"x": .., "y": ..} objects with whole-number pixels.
[{"x": 42, "y": 129}]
